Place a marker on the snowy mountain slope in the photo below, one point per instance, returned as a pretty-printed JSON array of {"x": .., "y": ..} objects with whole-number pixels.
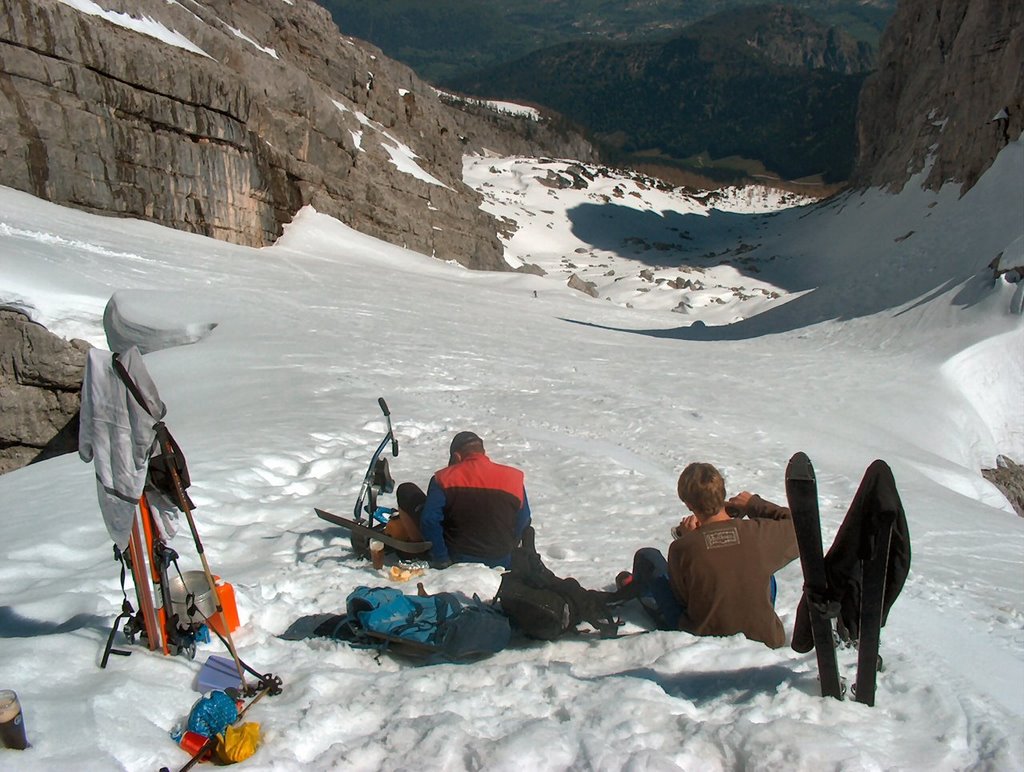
[{"x": 275, "y": 406}]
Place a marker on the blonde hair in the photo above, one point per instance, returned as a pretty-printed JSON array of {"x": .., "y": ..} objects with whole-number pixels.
[{"x": 702, "y": 489}]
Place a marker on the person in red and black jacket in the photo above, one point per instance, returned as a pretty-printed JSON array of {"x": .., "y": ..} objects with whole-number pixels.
[{"x": 475, "y": 510}]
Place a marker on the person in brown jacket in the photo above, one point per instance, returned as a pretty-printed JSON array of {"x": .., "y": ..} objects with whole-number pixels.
[{"x": 719, "y": 576}]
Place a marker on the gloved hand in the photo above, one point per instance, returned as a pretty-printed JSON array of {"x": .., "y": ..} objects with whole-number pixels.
[{"x": 440, "y": 565}]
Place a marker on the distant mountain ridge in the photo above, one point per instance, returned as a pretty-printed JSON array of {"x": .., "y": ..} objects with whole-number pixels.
[
  {"x": 767, "y": 83},
  {"x": 446, "y": 39},
  {"x": 789, "y": 38}
]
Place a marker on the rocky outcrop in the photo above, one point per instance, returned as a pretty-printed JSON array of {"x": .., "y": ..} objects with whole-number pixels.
[
  {"x": 1008, "y": 477},
  {"x": 40, "y": 383},
  {"x": 582, "y": 285},
  {"x": 484, "y": 128},
  {"x": 948, "y": 92},
  {"x": 223, "y": 118}
]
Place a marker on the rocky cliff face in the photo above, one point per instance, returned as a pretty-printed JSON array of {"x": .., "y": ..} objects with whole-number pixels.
[
  {"x": 40, "y": 381},
  {"x": 223, "y": 118},
  {"x": 949, "y": 91}
]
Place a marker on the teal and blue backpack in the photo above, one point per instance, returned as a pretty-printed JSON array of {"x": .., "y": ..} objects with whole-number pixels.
[{"x": 431, "y": 629}]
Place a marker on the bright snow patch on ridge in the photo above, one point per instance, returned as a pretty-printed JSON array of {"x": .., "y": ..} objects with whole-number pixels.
[
  {"x": 400, "y": 155},
  {"x": 239, "y": 34},
  {"x": 144, "y": 26},
  {"x": 509, "y": 108}
]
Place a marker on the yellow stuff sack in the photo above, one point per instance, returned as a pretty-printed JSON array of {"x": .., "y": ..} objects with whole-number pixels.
[{"x": 238, "y": 742}]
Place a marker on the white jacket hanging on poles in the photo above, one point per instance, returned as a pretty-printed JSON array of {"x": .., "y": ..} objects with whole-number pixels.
[{"x": 117, "y": 435}]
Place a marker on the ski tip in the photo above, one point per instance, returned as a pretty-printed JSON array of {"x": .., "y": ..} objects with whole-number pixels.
[{"x": 800, "y": 468}]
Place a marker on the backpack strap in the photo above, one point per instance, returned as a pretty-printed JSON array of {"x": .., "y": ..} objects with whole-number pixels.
[
  {"x": 168, "y": 454},
  {"x": 132, "y": 387}
]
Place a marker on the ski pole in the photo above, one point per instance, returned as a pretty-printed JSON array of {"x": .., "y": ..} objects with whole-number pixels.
[
  {"x": 164, "y": 439},
  {"x": 179, "y": 492}
]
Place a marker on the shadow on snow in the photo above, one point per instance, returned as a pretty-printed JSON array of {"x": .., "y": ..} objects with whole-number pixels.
[
  {"x": 13, "y": 625},
  {"x": 896, "y": 277}
]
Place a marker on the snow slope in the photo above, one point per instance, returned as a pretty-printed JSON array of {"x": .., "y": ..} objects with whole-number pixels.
[{"x": 879, "y": 345}]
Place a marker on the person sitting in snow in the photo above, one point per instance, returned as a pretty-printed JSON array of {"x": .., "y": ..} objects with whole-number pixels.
[
  {"x": 404, "y": 524},
  {"x": 719, "y": 576},
  {"x": 474, "y": 510}
]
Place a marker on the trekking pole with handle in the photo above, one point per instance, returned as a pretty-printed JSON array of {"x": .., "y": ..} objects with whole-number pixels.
[
  {"x": 268, "y": 681},
  {"x": 179, "y": 492},
  {"x": 391, "y": 433},
  {"x": 163, "y": 437}
]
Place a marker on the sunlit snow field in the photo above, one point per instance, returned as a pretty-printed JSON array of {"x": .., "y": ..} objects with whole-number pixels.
[{"x": 878, "y": 345}]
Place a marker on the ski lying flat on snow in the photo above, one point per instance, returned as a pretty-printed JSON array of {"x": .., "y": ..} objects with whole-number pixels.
[
  {"x": 414, "y": 547},
  {"x": 802, "y": 493}
]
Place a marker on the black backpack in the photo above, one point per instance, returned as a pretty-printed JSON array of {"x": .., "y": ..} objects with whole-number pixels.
[
  {"x": 542, "y": 605},
  {"x": 168, "y": 455}
]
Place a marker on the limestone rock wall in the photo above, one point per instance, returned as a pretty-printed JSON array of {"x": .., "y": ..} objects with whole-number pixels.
[
  {"x": 949, "y": 91},
  {"x": 266, "y": 108},
  {"x": 1008, "y": 476}
]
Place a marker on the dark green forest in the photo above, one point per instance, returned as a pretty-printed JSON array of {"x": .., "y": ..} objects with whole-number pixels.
[
  {"x": 657, "y": 82},
  {"x": 443, "y": 39}
]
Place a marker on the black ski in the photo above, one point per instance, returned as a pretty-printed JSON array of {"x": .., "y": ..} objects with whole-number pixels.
[
  {"x": 366, "y": 532},
  {"x": 872, "y": 606},
  {"x": 802, "y": 494}
]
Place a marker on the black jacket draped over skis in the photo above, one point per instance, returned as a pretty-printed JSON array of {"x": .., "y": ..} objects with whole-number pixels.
[{"x": 876, "y": 499}]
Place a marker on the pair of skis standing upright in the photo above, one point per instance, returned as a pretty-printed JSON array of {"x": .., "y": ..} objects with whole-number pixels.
[
  {"x": 875, "y": 569},
  {"x": 148, "y": 559},
  {"x": 148, "y": 556}
]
